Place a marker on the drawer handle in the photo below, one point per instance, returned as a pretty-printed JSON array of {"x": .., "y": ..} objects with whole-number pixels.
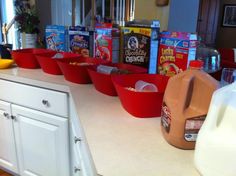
[
  {"x": 77, "y": 139},
  {"x": 45, "y": 102},
  {"x": 5, "y": 114},
  {"x": 76, "y": 169}
]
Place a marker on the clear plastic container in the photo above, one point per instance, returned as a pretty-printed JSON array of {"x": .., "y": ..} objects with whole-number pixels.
[
  {"x": 106, "y": 69},
  {"x": 210, "y": 58},
  {"x": 143, "y": 86}
]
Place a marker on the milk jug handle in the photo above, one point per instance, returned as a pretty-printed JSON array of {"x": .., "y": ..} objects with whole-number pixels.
[{"x": 186, "y": 91}]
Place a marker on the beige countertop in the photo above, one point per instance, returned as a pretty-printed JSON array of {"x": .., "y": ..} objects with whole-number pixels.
[{"x": 120, "y": 144}]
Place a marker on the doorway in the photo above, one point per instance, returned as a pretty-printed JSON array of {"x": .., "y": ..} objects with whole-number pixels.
[{"x": 207, "y": 21}]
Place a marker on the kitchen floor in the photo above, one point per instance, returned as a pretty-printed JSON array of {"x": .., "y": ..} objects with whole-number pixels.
[{"x": 3, "y": 173}]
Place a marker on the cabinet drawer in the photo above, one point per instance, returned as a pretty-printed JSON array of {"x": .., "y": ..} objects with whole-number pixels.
[{"x": 50, "y": 101}]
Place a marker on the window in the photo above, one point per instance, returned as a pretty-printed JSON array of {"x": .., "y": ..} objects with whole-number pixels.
[
  {"x": 6, "y": 16},
  {"x": 117, "y": 11}
]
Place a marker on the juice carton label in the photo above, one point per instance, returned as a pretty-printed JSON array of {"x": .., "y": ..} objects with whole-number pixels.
[
  {"x": 165, "y": 117},
  {"x": 56, "y": 37},
  {"x": 192, "y": 127},
  {"x": 175, "y": 51},
  {"x": 136, "y": 46},
  {"x": 79, "y": 40}
]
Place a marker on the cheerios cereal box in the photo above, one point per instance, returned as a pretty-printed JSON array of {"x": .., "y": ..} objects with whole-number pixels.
[{"x": 176, "y": 50}]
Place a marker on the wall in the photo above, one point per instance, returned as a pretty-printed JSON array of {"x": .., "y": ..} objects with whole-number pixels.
[
  {"x": 44, "y": 12},
  {"x": 148, "y": 10},
  {"x": 61, "y": 12},
  {"x": 226, "y": 36},
  {"x": 183, "y": 15}
]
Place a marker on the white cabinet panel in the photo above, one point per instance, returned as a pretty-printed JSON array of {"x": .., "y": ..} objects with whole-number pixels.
[
  {"x": 42, "y": 143},
  {"x": 81, "y": 159},
  {"x": 46, "y": 100},
  {"x": 8, "y": 158}
]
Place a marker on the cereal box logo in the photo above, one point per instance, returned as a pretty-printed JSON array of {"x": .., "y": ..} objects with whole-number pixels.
[
  {"x": 79, "y": 41},
  {"x": 133, "y": 43},
  {"x": 51, "y": 42},
  {"x": 170, "y": 42}
]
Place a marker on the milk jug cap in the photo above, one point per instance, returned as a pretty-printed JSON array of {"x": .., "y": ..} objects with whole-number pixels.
[{"x": 196, "y": 64}]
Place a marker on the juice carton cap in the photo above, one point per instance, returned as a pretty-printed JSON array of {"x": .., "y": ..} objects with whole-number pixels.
[{"x": 196, "y": 64}]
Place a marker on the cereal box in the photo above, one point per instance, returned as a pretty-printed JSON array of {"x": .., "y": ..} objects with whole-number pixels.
[
  {"x": 81, "y": 40},
  {"x": 107, "y": 42},
  {"x": 140, "y": 45},
  {"x": 175, "y": 51},
  {"x": 57, "y": 37}
]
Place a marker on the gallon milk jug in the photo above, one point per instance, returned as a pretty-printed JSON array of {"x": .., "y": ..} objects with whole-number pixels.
[
  {"x": 185, "y": 105},
  {"x": 215, "y": 152}
]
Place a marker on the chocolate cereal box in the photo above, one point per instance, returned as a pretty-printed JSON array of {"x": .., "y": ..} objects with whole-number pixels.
[
  {"x": 176, "y": 50},
  {"x": 140, "y": 45}
]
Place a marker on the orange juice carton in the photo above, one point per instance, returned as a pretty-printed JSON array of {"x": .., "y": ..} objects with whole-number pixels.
[
  {"x": 140, "y": 43},
  {"x": 107, "y": 43},
  {"x": 176, "y": 50},
  {"x": 56, "y": 37},
  {"x": 81, "y": 40}
]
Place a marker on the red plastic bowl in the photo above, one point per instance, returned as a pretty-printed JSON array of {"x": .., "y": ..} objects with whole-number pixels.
[
  {"x": 25, "y": 58},
  {"x": 78, "y": 73},
  {"x": 103, "y": 83},
  {"x": 49, "y": 65},
  {"x": 141, "y": 104}
]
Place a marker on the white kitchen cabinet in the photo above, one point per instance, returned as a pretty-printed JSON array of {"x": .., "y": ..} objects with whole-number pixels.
[
  {"x": 8, "y": 158},
  {"x": 34, "y": 138},
  {"x": 41, "y": 142}
]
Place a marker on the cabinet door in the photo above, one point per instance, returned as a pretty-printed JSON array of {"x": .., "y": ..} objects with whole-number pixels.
[
  {"x": 8, "y": 158},
  {"x": 42, "y": 142}
]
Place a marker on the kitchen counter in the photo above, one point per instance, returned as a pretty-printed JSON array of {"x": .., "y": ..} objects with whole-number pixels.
[{"x": 120, "y": 144}]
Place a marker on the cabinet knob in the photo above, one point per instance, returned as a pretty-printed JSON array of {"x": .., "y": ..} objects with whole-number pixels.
[
  {"x": 45, "y": 102},
  {"x": 76, "y": 169},
  {"x": 5, "y": 114},
  {"x": 76, "y": 139},
  {"x": 13, "y": 117}
]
